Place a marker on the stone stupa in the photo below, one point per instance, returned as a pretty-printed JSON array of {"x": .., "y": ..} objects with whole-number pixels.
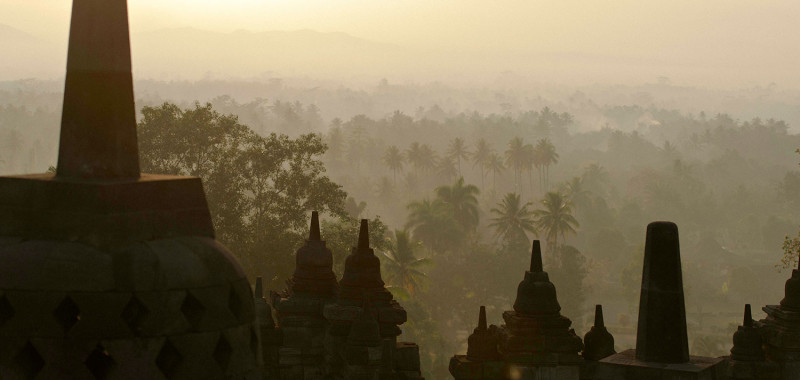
[{"x": 106, "y": 272}]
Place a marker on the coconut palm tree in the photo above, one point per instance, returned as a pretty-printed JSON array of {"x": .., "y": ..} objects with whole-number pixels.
[
  {"x": 427, "y": 158},
  {"x": 513, "y": 219},
  {"x": 516, "y": 157},
  {"x": 495, "y": 166},
  {"x": 457, "y": 151},
  {"x": 463, "y": 201},
  {"x": 555, "y": 217},
  {"x": 402, "y": 266},
  {"x": 446, "y": 169},
  {"x": 433, "y": 224},
  {"x": 548, "y": 157},
  {"x": 576, "y": 192},
  {"x": 413, "y": 155},
  {"x": 483, "y": 152},
  {"x": 394, "y": 160}
]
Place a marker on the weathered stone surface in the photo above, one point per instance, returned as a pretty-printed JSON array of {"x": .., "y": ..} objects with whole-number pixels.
[
  {"x": 661, "y": 335},
  {"x": 598, "y": 342},
  {"x": 626, "y": 366},
  {"x": 482, "y": 345},
  {"x": 747, "y": 340},
  {"x": 109, "y": 271}
]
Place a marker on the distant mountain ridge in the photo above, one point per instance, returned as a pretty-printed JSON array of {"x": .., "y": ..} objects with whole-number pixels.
[{"x": 191, "y": 53}]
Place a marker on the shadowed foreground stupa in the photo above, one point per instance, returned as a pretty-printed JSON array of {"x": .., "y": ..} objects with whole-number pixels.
[
  {"x": 106, "y": 273},
  {"x": 662, "y": 344}
]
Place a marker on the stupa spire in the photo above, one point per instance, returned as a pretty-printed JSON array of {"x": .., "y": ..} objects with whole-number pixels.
[
  {"x": 363, "y": 236},
  {"x": 314, "y": 234},
  {"x": 98, "y": 121},
  {"x": 536, "y": 257},
  {"x": 482, "y": 319},
  {"x": 748, "y": 316},
  {"x": 661, "y": 335},
  {"x": 598, "y": 316}
]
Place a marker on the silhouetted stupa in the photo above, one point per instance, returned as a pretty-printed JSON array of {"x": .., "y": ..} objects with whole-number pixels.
[
  {"x": 662, "y": 345},
  {"x": 106, "y": 273}
]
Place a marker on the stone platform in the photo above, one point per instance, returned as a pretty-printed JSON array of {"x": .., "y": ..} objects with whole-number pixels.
[{"x": 625, "y": 366}]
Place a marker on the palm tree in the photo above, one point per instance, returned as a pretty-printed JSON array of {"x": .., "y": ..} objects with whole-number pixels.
[
  {"x": 394, "y": 160},
  {"x": 463, "y": 201},
  {"x": 413, "y": 155},
  {"x": 483, "y": 152},
  {"x": 457, "y": 151},
  {"x": 433, "y": 224},
  {"x": 446, "y": 169},
  {"x": 402, "y": 266},
  {"x": 495, "y": 166},
  {"x": 514, "y": 220},
  {"x": 515, "y": 158},
  {"x": 576, "y": 192},
  {"x": 548, "y": 157},
  {"x": 427, "y": 158},
  {"x": 555, "y": 218}
]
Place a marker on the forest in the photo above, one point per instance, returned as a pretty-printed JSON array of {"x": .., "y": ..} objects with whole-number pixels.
[{"x": 456, "y": 191}]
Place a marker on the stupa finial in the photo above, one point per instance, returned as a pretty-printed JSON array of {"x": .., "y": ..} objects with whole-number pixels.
[
  {"x": 536, "y": 257},
  {"x": 314, "y": 234},
  {"x": 598, "y": 316},
  {"x": 482, "y": 319},
  {"x": 363, "y": 236},
  {"x": 98, "y": 121}
]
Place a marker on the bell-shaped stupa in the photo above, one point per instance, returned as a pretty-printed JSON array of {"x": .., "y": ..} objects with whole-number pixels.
[{"x": 106, "y": 272}]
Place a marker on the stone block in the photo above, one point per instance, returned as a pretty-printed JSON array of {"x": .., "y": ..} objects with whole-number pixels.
[
  {"x": 336, "y": 312},
  {"x": 464, "y": 369},
  {"x": 406, "y": 356},
  {"x": 625, "y": 366},
  {"x": 395, "y": 315}
]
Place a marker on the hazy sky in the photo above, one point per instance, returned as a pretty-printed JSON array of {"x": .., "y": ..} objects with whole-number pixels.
[{"x": 741, "y": 42}]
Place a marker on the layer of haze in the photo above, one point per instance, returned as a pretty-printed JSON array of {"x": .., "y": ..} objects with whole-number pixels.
[{"x": 714, "y": 43}]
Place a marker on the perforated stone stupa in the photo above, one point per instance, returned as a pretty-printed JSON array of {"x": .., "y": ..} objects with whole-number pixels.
[{"x": 106, "y": 273}]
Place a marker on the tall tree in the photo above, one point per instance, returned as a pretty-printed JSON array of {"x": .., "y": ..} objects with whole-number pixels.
[
  {"x": 432, "y": 222},
  {"x": 495, "y": 166},
  {"x": 513, "y": 220},
  {"x": 548, "y": 157},
  {"x": 260, "y": 209},
  {"x": 576, "y": 193},
  {"x": 394, "y": 160},
  {"x": 402, "y": 266},
  {"x": 516, "y": 157},
  {"x": 555, "y": 217},
  {"x": 457, "y": 151},
  {"x": 483, "y": 152},
  {"x": 463, "y": 201},
  {"x": 446, "y": 169},
  {"x": 413, "y": 155}
]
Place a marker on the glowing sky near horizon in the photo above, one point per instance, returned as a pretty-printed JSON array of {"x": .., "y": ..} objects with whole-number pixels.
[{"x": 752, "y": 35}]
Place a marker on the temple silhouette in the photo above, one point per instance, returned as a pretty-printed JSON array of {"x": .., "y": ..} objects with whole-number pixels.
[{"x": 107, "y": 273}]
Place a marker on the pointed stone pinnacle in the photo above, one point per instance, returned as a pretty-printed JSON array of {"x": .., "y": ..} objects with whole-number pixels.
[
  {"x": 363, "y": 235},
  {"x": 98, "y": 120},
  {"x": 536, "y": 257},
  {"x": 748, "y": 317},
  {"x": 598, "y": 316},
  {"x": 314, "y": 234},
  {"x": 259, "y": 292},
  {"x": 482, "y": 319}
]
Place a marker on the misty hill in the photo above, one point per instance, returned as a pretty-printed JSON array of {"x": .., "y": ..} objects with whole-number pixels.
[
  {"x": 193, "y": 53},
  {"x": 189, "y": 53},
  {"x": 25, "y": 55}
]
